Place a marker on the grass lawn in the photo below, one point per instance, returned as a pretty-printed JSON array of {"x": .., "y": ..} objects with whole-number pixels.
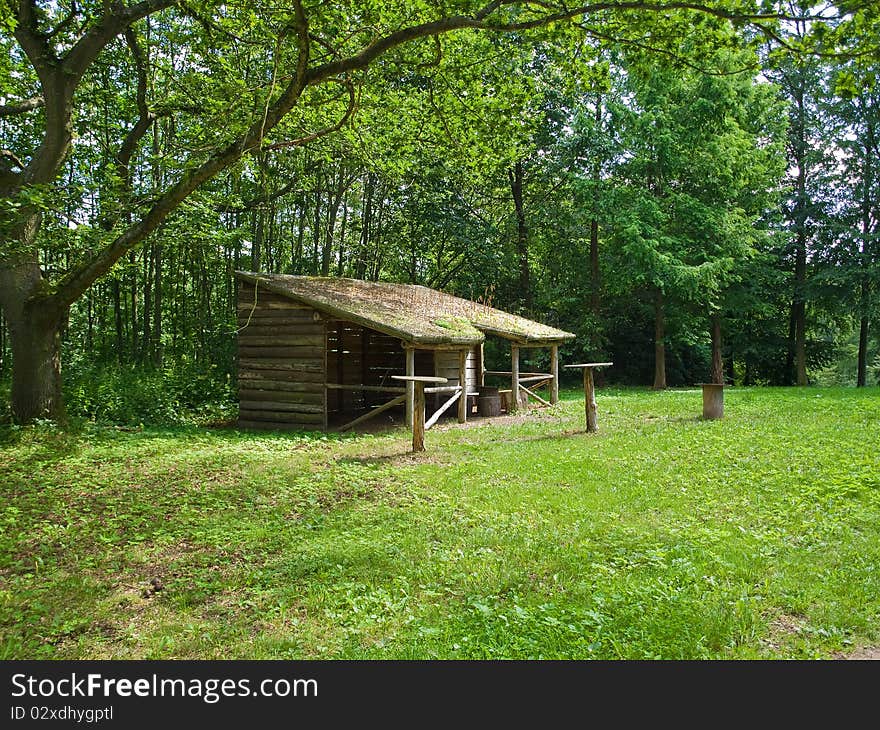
[{"x": 662, "y": 536}]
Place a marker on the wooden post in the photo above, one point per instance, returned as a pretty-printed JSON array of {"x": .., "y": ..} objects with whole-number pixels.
[
  {"x": 590, "y": 402},
  {"x": 482, "y": 366},
  {"x": 590, "y": 408},
  {"x": 513, "y": 403},
  {"x": 462, "y": 381},
  {"x": 554, "y": 371},
  {"x": 418, "y": 427},
  {"x": 410, "y": 391},
  {"x": 418, "y": 424}
]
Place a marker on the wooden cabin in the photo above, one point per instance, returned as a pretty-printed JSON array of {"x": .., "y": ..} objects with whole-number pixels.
[{"x": 319, "y": 352}]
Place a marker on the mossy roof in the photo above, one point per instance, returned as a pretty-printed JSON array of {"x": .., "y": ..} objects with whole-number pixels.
[{"x": 414, "y": 313}]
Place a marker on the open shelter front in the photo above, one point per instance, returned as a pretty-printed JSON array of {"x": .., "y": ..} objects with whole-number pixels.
[{"x": 320, "y": 352}]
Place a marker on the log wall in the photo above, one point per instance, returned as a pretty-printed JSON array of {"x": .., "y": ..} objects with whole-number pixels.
[{"x": 280, "y": 362}]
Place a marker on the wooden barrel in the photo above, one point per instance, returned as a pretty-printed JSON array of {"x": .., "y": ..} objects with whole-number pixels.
[{"x": 489, "y": 405}]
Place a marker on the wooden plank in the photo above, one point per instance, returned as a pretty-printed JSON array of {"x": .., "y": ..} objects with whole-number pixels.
[
  {"x": 245, "y": 339},
  {"x": 367, "y": 388},
  {"x": 274, "y": 426},
  {"x": 283, "y": 330},
  {"x": 310, "y": 356},
  {"x": 312, "y": 386},
  {"x": 254, "y": 406},
  {"x": 276, "y": 353},
  {"x": 294, "y": 315},
  {"x": 375, "y": 412},
  {"x": 281, "y": 416},
  {"x": 535, "y": 378},
  {"x": 284, "y": 396},
  {"x": 313, "y": 374},
  {"x": 244, "y": 305}
]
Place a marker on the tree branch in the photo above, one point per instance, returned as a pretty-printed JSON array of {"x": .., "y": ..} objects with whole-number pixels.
[
  {"x": 83, "y": 276},
  {"x": 352, "y": 107},
  {"x": 22, "y": 107}
]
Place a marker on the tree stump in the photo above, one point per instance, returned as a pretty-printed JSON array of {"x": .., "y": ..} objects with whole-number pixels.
[{"x": 713, "y": 401}]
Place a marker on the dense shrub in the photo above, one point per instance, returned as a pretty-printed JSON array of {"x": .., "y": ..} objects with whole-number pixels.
[{"x": 128, "y": 395}]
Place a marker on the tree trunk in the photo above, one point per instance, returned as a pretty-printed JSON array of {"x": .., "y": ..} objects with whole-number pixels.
[
  {"x": 659, "y": 343},
  {"x": 36, "y": 365},
  {"x": 717, "y": 374},
  {"x": 595, "y": 283},
  {"x": 799, "y": 307},
  {"x": 799, "y": 312},
  {"x": 34, "y": 326},
  {"x": 865, "y": 255},
  {"x": 862, "y": 377},
  {"x": 515, "y": 177}
]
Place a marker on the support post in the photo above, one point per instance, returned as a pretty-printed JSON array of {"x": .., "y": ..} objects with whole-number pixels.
[
  {"x": 462, "y": 381},
  {"x": 590, "y": 408},
  {"x": 418, "y": 427},
  {"x": 513, "y": 404},
  {"x": 590, "y": 402},
  {"x": 410, "y": 389},
  {"x": 554, "y": 371}
]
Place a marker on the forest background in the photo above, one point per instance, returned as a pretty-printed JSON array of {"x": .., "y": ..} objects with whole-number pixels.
[{"x": 655, "y": 177}]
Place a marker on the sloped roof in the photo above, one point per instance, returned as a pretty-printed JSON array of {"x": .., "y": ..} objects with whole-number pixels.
[{"x": 413, "y": 313}]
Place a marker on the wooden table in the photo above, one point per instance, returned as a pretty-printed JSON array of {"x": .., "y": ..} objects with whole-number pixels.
[
  {"x": 418, "y": 425},
  {"x": 590, "y": 392}
]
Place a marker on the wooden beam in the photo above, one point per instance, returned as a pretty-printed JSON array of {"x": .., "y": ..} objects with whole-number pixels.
[
  {"x": 375, "y": 412},
  {"x": 442, "y": 409},
  {"x": 368, "y": 388},
  {"x": 513, "y": 403},
  {"x": 534, "y": 395},
  {"x": 410, "y": 386},
  {"x": 535, "y": 378},
  {"x": 554, "y": 371},
  {"x": 462, "y": 381}
]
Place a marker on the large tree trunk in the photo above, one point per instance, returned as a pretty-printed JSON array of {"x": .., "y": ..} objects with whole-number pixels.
[
  {"x": 34, "y": 326},
  {"x": 659, "y": 341}
]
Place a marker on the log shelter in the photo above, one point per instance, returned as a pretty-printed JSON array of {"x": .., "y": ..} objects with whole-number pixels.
[{"x": 321, "y": 352}]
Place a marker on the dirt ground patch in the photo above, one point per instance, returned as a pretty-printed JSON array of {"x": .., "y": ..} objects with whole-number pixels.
[{"x": 866, "y": 652}]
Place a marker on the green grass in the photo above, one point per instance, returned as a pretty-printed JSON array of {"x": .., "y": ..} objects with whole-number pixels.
[{"x": 662, "y": 536}]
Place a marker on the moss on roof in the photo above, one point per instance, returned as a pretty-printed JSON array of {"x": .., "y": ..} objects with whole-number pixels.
[{"x": 413, "y": 313}]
